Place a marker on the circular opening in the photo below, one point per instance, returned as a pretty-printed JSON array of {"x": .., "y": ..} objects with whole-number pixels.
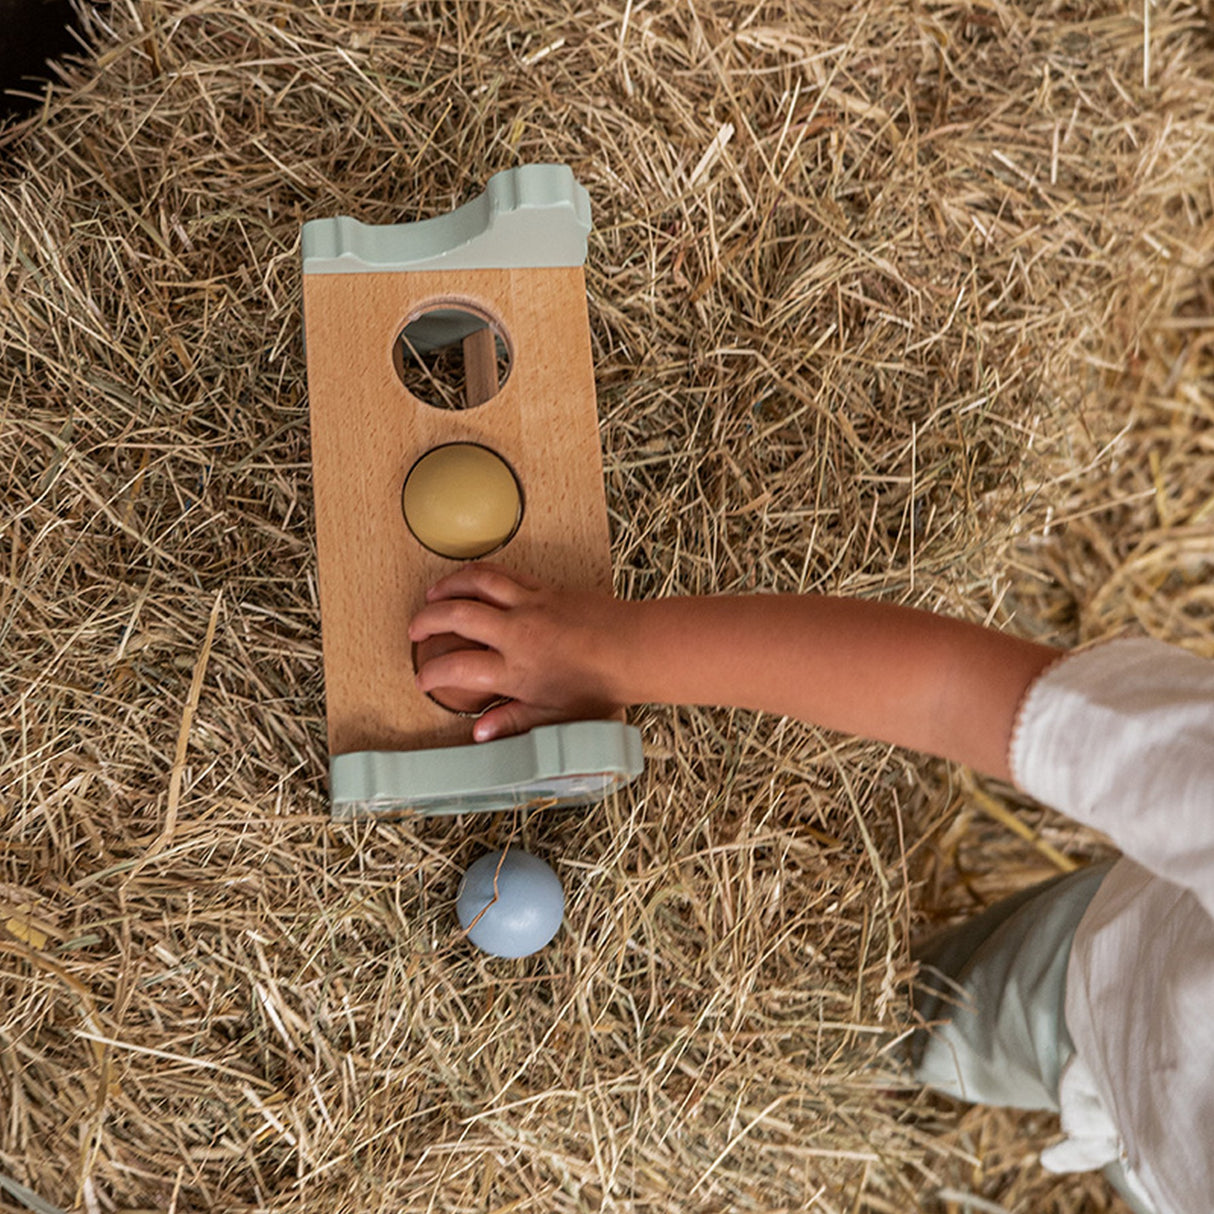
[
  {"x": 462, "y": 703},
  {"x": 462, "y": 501},
  {"x": 452, "y": 357}
]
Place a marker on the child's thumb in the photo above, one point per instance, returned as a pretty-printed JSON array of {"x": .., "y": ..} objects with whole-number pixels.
[{"x": 510, "y": 718}]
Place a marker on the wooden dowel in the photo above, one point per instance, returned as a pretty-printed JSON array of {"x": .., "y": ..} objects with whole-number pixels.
[{"x": 480, "y": 367}]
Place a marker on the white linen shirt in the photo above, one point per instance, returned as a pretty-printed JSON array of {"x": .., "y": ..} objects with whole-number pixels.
[{"x": 1120, "y": 737}]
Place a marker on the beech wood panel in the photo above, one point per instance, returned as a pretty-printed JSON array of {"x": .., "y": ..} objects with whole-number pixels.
[{"x": 367, "y": 431}]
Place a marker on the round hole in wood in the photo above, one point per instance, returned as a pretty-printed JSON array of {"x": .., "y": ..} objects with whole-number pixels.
[{"x": 452, "y": 356}]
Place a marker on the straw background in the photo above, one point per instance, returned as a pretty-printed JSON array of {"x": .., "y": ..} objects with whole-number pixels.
[{"x": 910, "y": 300}]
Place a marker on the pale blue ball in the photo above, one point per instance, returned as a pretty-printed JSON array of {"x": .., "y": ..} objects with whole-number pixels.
[{"x": 528, "y": 910}]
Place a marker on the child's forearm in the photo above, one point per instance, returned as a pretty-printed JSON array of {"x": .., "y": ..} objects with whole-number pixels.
[
  {"x": 873, "y": 669},
  {"x": 892, "y": 673}
]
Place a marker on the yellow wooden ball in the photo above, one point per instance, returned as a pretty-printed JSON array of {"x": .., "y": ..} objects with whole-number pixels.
[{"x": 462, "y": 501}]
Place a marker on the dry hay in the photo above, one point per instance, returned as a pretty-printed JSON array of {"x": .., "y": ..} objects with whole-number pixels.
[{"x": 909, "y": 300}]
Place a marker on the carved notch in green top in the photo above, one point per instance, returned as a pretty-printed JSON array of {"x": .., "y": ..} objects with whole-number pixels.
[{"x": 535, "y": 215}]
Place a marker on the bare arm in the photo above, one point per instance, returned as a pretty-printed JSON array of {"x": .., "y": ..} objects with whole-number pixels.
[{"x": 874, "y": 669}]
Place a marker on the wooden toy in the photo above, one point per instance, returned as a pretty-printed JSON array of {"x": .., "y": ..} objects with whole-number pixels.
[{"x": 449, "y": 360}]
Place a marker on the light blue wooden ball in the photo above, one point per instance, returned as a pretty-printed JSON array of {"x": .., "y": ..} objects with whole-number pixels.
[{"x": 528, "y": 910}]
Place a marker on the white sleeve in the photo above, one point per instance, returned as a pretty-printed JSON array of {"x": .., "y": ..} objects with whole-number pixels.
[{"x": 1120, "y": 737}]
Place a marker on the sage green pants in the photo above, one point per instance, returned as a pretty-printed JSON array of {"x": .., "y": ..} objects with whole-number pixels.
[{"x": 992, "y": 993}]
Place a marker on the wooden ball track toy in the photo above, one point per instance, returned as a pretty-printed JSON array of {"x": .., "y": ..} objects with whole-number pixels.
[{"x": 490, "y": 298}]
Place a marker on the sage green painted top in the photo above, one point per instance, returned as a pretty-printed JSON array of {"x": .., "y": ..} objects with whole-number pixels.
[{"x": 533, "y": 215}]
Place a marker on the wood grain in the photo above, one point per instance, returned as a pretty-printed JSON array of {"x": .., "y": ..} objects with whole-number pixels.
[{"x": 367, "y": 431}]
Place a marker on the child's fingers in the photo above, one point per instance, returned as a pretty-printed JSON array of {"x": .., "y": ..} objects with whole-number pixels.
[
  {"x": 490, "y": 583},
  {"x": 468, "y": 618},
  {"x": 525, "y": 580},
  {"x": 472, "y": 670},
  {"x": 512, "y": 718}
]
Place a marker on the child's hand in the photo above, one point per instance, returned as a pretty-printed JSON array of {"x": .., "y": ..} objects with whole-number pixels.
[{"x": 553, "y": 653}]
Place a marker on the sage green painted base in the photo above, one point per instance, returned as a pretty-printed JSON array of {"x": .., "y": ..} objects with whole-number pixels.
[{"x": 571, "y": 764}]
